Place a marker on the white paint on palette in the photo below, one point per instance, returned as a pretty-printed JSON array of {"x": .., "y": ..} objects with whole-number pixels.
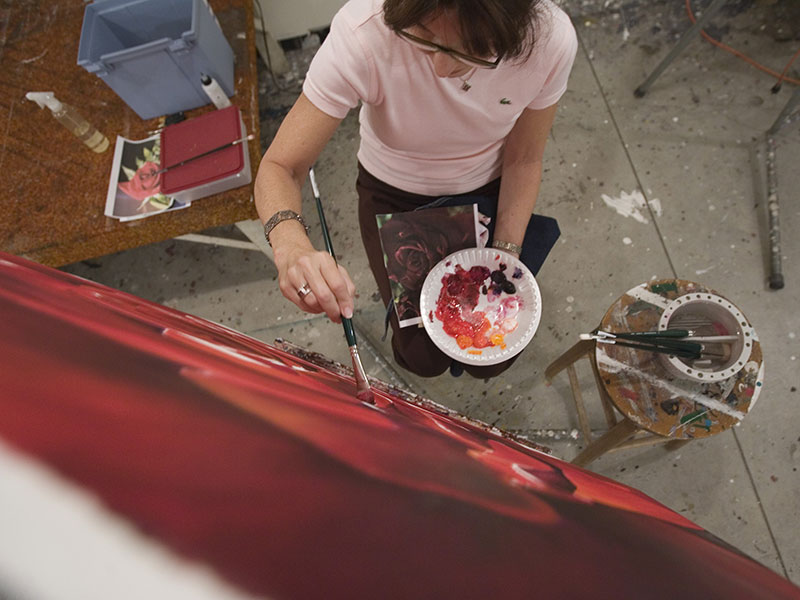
[
  {"x": 641, "y": 292},
  {"x": 684, "y": 389},
  {"x": 757, "y": 388},
  {"x": 633, "y": 205},
  {"x": 703, "y": 271}
]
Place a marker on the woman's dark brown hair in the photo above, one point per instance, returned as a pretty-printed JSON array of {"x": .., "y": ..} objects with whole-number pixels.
[{"x": 504, "y": 28}]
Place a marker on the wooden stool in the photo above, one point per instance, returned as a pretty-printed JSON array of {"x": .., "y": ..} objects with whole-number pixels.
[
  {"x": 655, "y": 406},
  {"x": 619, "y": 433}
]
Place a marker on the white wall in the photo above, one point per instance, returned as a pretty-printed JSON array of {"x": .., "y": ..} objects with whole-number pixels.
[{"x": 292, "y": 18}]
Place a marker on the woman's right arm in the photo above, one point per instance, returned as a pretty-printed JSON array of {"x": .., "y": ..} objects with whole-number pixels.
[{"x": 298, "y": 143}]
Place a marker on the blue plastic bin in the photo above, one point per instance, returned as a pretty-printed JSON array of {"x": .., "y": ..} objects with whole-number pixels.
[{"x": 152, "y": 52}]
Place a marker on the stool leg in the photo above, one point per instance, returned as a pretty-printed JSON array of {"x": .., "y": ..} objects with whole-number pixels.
[
  {"x": 583, "y": 420},
  {"x": 614, "y": 437},
  {"x": 682, "y": 43},
  {"x": 580, "y": 349},
  {"x": 605, "y": 400}
]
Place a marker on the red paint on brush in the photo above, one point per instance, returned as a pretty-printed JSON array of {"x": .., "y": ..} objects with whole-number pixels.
[{"x": 366, "y": 396}]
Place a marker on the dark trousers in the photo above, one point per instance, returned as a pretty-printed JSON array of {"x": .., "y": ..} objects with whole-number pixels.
[{"x": 413, "y": 349}]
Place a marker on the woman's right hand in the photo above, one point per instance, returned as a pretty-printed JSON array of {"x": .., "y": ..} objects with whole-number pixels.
[
  {"x": 331, "y": 289},
  {"x": 284, "y": 167}
]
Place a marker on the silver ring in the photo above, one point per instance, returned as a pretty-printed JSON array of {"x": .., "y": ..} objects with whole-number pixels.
[{"x": 303, "y": 290}]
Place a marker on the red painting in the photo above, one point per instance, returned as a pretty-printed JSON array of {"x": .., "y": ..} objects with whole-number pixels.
[{"x": 261, "y": 466}]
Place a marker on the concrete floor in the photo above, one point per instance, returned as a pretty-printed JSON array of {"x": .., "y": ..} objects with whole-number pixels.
[{"x": 694, "y": 143}]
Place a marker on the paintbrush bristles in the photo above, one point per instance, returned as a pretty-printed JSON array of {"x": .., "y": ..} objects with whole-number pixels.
[{"x": 363, "y": 390}]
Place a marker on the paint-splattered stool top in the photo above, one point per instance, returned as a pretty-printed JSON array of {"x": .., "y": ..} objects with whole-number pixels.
[{"x": 648, "y": 389}]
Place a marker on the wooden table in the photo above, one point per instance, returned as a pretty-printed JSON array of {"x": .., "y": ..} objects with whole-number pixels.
[{"x": 54, "y": 188}]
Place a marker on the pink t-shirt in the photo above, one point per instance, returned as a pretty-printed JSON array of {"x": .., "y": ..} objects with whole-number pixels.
[{"x": 420, "y": 132}]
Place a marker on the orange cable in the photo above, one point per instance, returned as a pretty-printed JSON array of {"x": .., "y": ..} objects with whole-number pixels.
[{"x": 781, "y": 77}]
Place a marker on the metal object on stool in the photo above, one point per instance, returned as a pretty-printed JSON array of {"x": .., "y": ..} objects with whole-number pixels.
[
  {"x": 656, "y": 406},
  {"x": 709, "y": 315}
]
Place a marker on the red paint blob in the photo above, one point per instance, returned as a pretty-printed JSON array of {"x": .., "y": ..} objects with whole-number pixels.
[{"x": 455, "y": 307}]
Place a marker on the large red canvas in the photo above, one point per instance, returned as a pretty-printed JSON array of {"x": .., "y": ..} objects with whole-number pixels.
[{"x": 264, "y": 467}]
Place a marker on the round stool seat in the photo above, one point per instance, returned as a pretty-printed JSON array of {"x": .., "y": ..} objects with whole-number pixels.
[{"x": 644, "y": 389}]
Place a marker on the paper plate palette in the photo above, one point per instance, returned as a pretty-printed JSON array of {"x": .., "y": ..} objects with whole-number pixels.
[{"x": 528, "y": 301}]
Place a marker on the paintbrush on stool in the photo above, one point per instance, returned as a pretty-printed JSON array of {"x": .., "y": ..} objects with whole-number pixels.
[
  {"x": 672, "y": 351},
  {"x": 670, "y": 337},
  {"x": 363, "y": 391},
  {"x": 687, "y": 335},
  {"x": 645, "y": 341},
  {"x": 653, "y": 343}
]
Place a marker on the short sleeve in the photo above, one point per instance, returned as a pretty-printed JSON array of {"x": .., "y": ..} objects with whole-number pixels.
[
  {"x": 561, "y": 47},
  {"x": 340, "y": 72}
]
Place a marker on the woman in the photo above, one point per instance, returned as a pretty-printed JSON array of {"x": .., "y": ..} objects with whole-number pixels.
[{"x": 458, "y": 98}]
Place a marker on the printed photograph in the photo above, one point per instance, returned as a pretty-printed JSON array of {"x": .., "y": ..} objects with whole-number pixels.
[
  {"x": 135, "y": 186},
  {"x": 414, "y": 242}
]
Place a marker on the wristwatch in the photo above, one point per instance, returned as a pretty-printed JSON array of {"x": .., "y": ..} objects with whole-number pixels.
[
  {"x": 280, "y": 217},
  {"x": 507, "y": 246}
]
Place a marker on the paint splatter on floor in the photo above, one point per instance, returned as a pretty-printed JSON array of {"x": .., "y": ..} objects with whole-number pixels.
[{"x": 633, "y": 205}]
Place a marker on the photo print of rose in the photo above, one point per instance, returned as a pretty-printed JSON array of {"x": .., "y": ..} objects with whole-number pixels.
[
  {"x": 136, "y": 183},
  {"x": 414, "y": 242}
]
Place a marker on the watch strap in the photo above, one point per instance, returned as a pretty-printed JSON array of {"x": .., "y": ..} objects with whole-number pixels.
[
  {"x": 280, "y": 217},
  {"x": 507, "y": 246}
]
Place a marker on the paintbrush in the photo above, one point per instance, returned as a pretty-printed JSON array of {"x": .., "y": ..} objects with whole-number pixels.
[
  {"x": 685, "y": 335},
  {"x": 651, "y": 348},
  {"x": 669, "y": 342},
  {"x": 201, "y": 155},
  {"x": 671, "y": 338},
  {"x": 643, "y": 342},
  {"x": 363, "y": 391},
  {"x": 687, "y": 350}
]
